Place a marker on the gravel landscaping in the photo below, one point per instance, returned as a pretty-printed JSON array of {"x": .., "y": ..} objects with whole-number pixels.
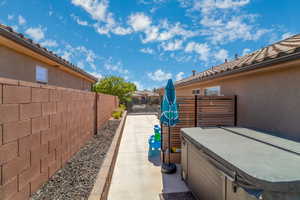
[{"x": 76, "y": 179}]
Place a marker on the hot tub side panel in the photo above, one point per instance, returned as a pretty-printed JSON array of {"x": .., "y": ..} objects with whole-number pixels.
[{"x": 204, "y": 180}]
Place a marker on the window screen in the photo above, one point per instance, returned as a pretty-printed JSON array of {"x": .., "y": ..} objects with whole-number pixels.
[
  {"x": 212, "y": 91},
  {"x": 41, "y": 74}
]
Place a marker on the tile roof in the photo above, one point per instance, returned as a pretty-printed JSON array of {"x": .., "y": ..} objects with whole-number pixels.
[
  {"x": 278, "y": 51},
  {"x": 8, "y": 32}
]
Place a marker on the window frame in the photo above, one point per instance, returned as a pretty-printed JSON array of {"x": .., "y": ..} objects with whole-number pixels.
[
  {"x": 41, "y": 70},
  {"x": 213, "y": 87},
  {"x": 196, "y": 91}
]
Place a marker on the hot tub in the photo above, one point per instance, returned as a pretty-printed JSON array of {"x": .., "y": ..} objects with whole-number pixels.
[{"x": 240, "y": 164}]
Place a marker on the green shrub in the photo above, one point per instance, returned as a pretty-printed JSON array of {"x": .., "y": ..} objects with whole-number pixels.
[
  {"x": 117, "y": 114},
  {"x": 122, "y": 107}
]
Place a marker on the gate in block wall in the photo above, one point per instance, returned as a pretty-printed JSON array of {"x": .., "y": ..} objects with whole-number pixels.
[{"x": 200, "y": 111}]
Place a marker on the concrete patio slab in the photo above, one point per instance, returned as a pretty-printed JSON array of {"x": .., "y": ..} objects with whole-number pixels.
[{"x": 136, "y": 175}]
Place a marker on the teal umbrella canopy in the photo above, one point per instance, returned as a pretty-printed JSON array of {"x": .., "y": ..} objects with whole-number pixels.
[{"x": 169, "y": 113}]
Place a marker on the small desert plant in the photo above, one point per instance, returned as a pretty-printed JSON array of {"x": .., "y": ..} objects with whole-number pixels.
[
  {"x": 117, "y": 114},
  {"x": 122, "y": 107}
]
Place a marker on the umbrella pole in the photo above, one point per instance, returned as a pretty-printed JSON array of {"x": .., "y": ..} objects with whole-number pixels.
[
  {"x": 161, "y": 143},
  {"x": 169, "y": 145}
]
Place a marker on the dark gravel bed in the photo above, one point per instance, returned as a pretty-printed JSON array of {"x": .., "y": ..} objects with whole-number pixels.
[{"x": 76, "y": 179}]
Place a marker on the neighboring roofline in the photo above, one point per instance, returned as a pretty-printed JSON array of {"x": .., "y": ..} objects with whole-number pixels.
[
  {"x": 18, "y": 38},
  {"x": 264, "y": 64}
]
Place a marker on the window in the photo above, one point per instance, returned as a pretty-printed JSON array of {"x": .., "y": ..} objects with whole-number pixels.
[
  {"x": 41, "y": 74},
  {"x": 212, "y": 91},
  {"x": 196, "y": 91}
]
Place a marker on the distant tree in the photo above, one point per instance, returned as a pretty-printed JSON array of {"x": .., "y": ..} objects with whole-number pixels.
[{"x": 116, "y": 86}]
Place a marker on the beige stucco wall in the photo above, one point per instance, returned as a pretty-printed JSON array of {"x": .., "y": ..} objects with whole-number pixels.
[
  {"x": 268, "y": 100},
  {"x": 21, "y": 67}
]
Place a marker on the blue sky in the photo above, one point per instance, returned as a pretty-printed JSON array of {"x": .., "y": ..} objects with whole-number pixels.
[{"x": 150, "y": 41}]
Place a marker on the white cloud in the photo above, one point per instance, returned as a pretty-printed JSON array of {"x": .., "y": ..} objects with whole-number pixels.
[
  {"x": 139, "y": 21},
  {"x": 79, "y": 21},
  {"x": 207, "y": 6},
  {"x": 221, "y": 55},
  {"x": 179, "y": 76},
  {"x": 152, "y": 1},
  {"x": 163, "y": 31},
  {"x": 222, "y": 21},
  {"x": 80, "y": 64},
  {"x": 15, "y": 27},
  {"x": 10, "y": 17},
  {"x": 49, "y": 43},
  {"x": 84, "y": 57},
  {"x": 116, "y": 67},
  {"x": 111, "y": 27},
  {"x": 102, "y": 30},
  {"x": 180, "y": 57},
  {"x": 118, "y": 30},
  {"x": 246, "y": 51},
  {"x": 202, "y": 49},
  {"x": 172, "y": 30},
  {"x": 139, "y": 85},
  {"x": 96, "y": 74},
  {"x": 21, "y": 20},
  {"x": 151, "y": 34},
  {"x": 172, "y": 46},
  {"x": 159, "y": 75},
  {"x": 147, "y": 50},
  {"x": 35, "y": 33},
  {"x": 219, "y": 31},
  {"x": 82, "y": 23},
  {"x": 287, "y": 35},
  {"x": 89, "y": 54},
  {"x": 67, "y": 55},
  {"x": 210, "y": 21},
  {"x": 97, "y": 9},
  {"x": 231, "y": 3}
]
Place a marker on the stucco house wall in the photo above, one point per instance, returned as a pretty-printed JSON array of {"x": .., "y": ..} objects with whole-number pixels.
[
  {"x": 17, "y": 66},
  {"x": 268, "y": 100}
]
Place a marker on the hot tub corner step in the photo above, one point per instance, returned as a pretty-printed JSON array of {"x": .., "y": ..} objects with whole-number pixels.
[{"x": 177, "y": 196}]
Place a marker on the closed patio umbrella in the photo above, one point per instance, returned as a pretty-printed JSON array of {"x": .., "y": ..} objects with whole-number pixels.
[{"x": 169, "y": 117}]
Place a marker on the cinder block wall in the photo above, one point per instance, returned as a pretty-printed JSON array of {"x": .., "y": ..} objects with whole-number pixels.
[
  {"x": 105, "y": 105},
  {"x": 41, "y": 127}
]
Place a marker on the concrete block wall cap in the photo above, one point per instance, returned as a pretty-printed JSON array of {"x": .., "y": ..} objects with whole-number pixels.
[
  {"x": 9, "y": 81},
  {"x": 48, "y": 86},
  {"x": 29, "y": 84}
]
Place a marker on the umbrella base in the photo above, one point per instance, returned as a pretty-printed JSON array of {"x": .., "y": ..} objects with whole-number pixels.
[{"x": 168, "y": 168}]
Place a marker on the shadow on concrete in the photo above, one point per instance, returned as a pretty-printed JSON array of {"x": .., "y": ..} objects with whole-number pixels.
[
  {"x": 172, "y": 183},
  {"x": 154, "y": 157}
]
